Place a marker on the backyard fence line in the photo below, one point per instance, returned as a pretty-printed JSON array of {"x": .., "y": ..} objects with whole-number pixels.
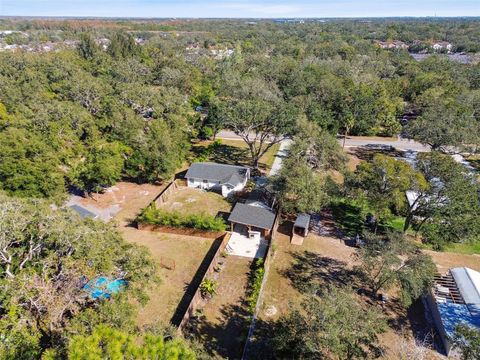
[
  {"x": 162, "y": 197},
  {"x": 197, "y": 298},
  {"x": 266, "y": 265}
]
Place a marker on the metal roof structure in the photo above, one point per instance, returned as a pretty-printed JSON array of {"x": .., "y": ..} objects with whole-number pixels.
[
  {"x": 302, "y": 221},
  {"x": 222, "y": 173},
  {"x": 249, "y": 215},
  {"x": 84, "y": 213},
  {"x": 468, "y": 283},
  {"x": 457, "y": 295}
]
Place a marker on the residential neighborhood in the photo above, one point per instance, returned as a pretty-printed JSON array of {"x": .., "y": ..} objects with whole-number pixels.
[{"x": 186, "y": 181}]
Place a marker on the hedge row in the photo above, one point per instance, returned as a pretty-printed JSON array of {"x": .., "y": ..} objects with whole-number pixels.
[{"x": 153, "y": 216}]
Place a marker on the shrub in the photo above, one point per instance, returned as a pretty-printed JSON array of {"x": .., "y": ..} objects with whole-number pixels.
[
  {"x": 208, "y": 288},
  {"x": 256, "y": 284},
  {"x": 153, "y": 216}
]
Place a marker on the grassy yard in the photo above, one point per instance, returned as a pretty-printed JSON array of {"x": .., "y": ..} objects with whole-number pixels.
[
  {"x": 235, "y": 152},
  {"x": 222, "y": 324},
  {"x": 179, "y": 257},
  {"x": 321, "y": 261},
  {"x": 350, "y": 218},
  {"x": 187, "y": 201},
  {"x": 184, "y": 253},
  {"x": 469, "y": 248}
]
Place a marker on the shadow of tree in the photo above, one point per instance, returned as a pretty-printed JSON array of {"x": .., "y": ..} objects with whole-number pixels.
[
  {"x": 260, "y": 346},
  {"x": 310, "y": 271},
  {"x": 191, "y": 288},
  {"x": 226, "y": 337},
  {"x": 225, "y": 154},
  {"x": 364, "y": 153},
  {"x": 230, "y": 155},
  {"x": 348, "y": 217}
]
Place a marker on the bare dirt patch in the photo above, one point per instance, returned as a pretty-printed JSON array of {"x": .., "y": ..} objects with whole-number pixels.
[
  {"x": 116, "y": 200},
  {"x": 448, "y": 260}
]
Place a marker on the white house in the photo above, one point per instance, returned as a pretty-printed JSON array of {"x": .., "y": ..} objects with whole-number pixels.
[
  {"x": 441, "y": 45},
  {"x": 220, "y": 177}
]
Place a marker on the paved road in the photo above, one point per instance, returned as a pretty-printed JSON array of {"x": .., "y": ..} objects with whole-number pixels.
[
  {"x": 403, "y": 144},
  {"x": 353, "y": 141}
]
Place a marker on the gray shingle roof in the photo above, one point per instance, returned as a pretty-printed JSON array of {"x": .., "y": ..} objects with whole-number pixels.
[
  {"x": 302, "y": 221},
  {"x": 252, "y": 215},
  {"x": 225, "y": 174}
]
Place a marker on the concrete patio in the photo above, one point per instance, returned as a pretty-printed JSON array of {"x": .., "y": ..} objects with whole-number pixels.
[{"x": 241, "y": 245}]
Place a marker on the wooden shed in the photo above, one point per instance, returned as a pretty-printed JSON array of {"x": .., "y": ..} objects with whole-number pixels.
[{"x": 300, "y": 229}]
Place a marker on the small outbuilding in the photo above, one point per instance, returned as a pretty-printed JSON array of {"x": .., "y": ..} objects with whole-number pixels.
[
  {"x": 300, "y": 229},
  {"x": 257, "y": 220}
]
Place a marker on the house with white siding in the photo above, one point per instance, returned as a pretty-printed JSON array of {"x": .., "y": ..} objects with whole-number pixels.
[{"x": 223, "y": 178}]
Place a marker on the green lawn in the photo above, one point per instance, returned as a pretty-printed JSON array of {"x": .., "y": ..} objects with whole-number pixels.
[
  {"x": 350, "y": 216},
  {"x": 467, "y": 248},
  {"x": 234, "y": 152}
]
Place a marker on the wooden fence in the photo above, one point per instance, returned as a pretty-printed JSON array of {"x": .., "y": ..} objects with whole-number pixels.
[
  {"x": 163, "y": 196},
  {"x": 197, "y": 299}
]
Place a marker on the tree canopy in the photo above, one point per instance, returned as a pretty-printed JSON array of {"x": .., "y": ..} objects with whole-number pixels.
[
  {"x": 46, "y": 258},
  {"x": 331, "y": 326},
  {"x": 393, "y": 260}
]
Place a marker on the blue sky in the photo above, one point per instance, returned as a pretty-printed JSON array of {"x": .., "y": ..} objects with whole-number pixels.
[{"x": 240, "y": 8}]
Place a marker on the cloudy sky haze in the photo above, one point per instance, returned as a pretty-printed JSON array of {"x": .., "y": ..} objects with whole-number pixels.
[{"x": 239, "y": 8}]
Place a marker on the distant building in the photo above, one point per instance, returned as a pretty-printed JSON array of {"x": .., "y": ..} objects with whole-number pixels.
[
  {"x": 454, "y": 300},
  {"x": 211, "y": 176},
  {"x": 442, "y": 46},
  {"x": 395, "y": 44}
]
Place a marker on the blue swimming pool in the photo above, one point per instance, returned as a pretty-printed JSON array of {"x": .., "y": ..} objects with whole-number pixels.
[{"x": 103, "y": 287}]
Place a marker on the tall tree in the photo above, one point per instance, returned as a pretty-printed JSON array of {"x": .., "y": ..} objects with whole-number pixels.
[
  {"x": 467, "y": 340},
  {"x": 445, "y": 125},
  {"x": 448, "y": 209},
  {"x": 384, "y": 182},
  {"x": 46, "y": 258},
  {"x": 332, "y": 326},
  {"x": 102, "y": 167},
  {"x": 300, "y": 185},
  {"x": 260, "y": 123},
  {"x": 109, "y": 343},
  {"x": 28, "y": 166},
  {"x": 87, "y": 48},
  {"x": 393, "y": 260}
]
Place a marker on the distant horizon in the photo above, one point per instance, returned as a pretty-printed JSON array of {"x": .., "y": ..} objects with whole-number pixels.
[
  {"x": 240, "y": 9},
  {"x": 86, "y": 17}
]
